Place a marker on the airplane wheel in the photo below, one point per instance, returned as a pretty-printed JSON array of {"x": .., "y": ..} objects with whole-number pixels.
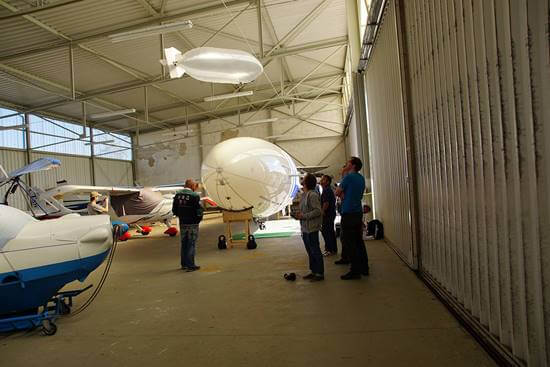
[
  {"x": 172, "y": 235},
  {"x": 145, "y": 233},
  {"x": 49, "y": 328}
]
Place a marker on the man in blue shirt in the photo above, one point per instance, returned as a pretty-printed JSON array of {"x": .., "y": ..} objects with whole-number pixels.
[{"x": 351, "y": 191}]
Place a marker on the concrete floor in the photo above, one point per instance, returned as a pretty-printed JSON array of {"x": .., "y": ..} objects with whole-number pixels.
[{"x": 238, "y": 311}]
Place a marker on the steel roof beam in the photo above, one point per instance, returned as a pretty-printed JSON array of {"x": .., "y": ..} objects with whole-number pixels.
[
  {"x": 37, "y": 9},
  {"x": 103, "y": 34},
  {"x": 299, "y": 28}
]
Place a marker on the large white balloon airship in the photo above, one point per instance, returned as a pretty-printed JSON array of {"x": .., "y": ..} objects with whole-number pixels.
[
  {"x": 243, "y": 173},
  {"x": 213, "y": 65}
]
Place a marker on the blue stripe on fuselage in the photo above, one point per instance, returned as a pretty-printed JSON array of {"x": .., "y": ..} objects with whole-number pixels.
[{"x": 43, "y": 282}]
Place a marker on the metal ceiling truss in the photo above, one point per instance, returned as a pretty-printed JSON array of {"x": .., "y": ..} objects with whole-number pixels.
[{"x": 146, "y": 80}]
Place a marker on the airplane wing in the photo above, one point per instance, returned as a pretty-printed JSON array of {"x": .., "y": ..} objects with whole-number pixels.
[
  {"x": 60, "y": 191},
  {"x": 42, "y": 164},
  {"x": 167, "y": 189}
]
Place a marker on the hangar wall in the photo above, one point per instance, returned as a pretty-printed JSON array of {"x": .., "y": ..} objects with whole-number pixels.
[
  {"x": 473, "y": 84},
  {"x": 389, "y": 161},
  {"x": 74, "y": 169},
  {"x": 309, "y": 132}
]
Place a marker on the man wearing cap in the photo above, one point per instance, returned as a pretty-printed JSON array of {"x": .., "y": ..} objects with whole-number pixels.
[{"x": 94, "y": 207}]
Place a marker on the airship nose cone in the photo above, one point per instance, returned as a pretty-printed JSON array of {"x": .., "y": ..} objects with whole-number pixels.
[{"x": 247, "y": 172}]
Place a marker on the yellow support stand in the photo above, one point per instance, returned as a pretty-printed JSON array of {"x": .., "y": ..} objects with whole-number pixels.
[{"x": 244, "y": 216}]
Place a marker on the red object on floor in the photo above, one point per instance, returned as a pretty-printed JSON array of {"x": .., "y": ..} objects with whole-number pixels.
[
  {"x": 172, "y": 231},
  {"x": 146, "y": 229},
  {"x": 125, "y": 236}
]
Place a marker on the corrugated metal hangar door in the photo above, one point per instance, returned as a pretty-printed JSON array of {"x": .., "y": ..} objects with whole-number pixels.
[
  {"x": 469, "y": 82},
  {"x": 389, "y": 169}
]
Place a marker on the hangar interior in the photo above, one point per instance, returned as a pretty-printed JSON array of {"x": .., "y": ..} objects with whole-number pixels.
[{"x": 444, "y": 102}]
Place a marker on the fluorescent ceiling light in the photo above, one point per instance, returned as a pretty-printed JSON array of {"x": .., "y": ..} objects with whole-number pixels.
[
  {"x": 151, "y": 31},
  {"x": 13, "y": 127},
  {"x": 175, "y": 133},
  {"x": 100, "y": 142},
  {"x": 257, "y": 122},
  {"x": 112, "y": 113},
  {"x": 229, "y": 95}
]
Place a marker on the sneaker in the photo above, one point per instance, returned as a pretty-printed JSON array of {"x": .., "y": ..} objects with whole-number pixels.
[
  {"x": 350, "y": 275},
  {"x": 317, "y": 278},
  {"x": 191, "y": 268},
  {"x": 309, "y": 276},
  {"x": 341, "y": 262}
]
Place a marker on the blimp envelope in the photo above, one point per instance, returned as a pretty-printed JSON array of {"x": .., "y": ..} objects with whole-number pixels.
[
  {"x": 244, "y": 173},
  {"x": 214, "y": 65}
]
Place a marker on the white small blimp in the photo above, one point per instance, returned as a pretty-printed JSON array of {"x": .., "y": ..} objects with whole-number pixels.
[
  {"x": 243, "y": 173},
  {"x": 213, "y": 65}
]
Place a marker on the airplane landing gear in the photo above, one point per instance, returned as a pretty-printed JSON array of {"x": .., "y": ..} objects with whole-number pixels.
[
  {"x": 171, "y": 231},
  {"x": 144, "y": 230}
]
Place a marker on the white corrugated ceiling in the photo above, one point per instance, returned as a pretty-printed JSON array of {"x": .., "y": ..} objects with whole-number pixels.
[{"x": 34, "y": 54}]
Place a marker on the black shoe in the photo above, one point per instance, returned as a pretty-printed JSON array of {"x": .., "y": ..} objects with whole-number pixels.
[
  {"x": 365, "y": 273},
  {"x": 350, "y": 275},
  {"x": 191, "y": 268},
  {"x": 317, "y": 278},
  {"x": 341, "y": 262},
  {"x": 309, "y": 276}
]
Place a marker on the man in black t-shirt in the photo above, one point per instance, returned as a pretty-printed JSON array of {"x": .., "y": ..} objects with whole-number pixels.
[
  {"x": 187, "y": 207},
  {"x": 328, "y": 208}
]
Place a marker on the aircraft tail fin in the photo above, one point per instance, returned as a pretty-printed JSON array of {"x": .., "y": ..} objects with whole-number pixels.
[{"x": 172, "y": 61}]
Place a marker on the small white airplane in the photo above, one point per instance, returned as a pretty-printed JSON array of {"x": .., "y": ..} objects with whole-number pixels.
[
  {"x": 37, "y": 258},
  {"x": 139, "y": 207},
  {"x": 135, "y": 206}
]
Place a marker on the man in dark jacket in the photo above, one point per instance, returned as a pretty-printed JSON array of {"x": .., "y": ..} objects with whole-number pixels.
[{"x": 187, "y": 207}]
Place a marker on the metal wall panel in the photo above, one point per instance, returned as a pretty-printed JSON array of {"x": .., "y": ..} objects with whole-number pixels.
[
  {"x": 110, "y": 172},
  {"x": 476, "y": 92},
  {"x": 11, "y": 160},
  {"x": 75, "y": 170},
  {"x": 387, "y": 138}
]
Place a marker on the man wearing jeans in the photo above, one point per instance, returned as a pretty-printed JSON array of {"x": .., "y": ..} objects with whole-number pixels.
[
  {"x": 187, "y": 207},
  {"x": 351, "y": 191}
]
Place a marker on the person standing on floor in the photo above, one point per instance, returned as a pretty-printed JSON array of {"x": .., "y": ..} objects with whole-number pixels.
[
  {"x": 187, "y": 207},
  {"x": 351, "y": 191},
  {"x": 310, "y": 222},
  {"x": 328, "y": 207}
]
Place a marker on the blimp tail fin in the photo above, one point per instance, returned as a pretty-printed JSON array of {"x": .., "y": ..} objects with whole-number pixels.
[{"x": 172, "y": 61}]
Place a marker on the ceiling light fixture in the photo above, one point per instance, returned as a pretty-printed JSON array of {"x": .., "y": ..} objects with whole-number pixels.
[
  {"x": 100, "y": 142},
  {"x": 112, "y": 113},
  {"x": 176, "y": 133},
  {"x": 151, "y": 31},
  {"x": 257, "y": 122},
  {"x": 228, "y": 95}
]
